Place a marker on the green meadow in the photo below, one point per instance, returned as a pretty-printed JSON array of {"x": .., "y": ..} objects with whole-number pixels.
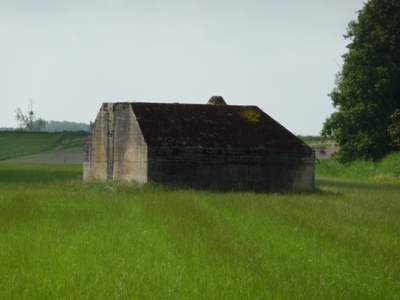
[
  {"x": 61, "y": 238},
  {"x": 20, "y": 143}
]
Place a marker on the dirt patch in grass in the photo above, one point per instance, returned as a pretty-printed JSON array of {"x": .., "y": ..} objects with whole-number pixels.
[{"x": 57, "y": 156}]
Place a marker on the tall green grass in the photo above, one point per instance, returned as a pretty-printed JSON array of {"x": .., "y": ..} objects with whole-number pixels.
[
  {"x": 386, "y": 170},
  {"x": 61, "y": 238}
]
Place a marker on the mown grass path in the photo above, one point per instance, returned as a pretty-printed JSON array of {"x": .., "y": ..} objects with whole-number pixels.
[{"x": 61, "y": 238}]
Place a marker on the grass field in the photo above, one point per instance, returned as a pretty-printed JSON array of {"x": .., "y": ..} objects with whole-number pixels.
[
  {"x": 317, "y": 141},
  {"x": 61, "y": 238},
  {"x": 386, "y": 170},
  {"x": 20, "y": 143}
]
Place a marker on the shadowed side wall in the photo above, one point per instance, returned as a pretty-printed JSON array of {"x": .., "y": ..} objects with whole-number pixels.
[
  {"x": 282, "y": 171},
  {"x": 226, "y": 169},
  {"x": 222, "y": 146},
  {"x": 304, "y": 177}
]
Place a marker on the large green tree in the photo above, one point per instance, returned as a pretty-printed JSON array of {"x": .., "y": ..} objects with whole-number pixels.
[{"x": 367, "y": 90}]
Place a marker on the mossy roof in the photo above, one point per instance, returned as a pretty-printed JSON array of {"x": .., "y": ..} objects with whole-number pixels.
[{"x": 213, "y": 126}]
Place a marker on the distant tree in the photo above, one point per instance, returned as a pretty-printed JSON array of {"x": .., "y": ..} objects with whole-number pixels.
[
  {"x": 29, "y": 121},
  {"x": 7, "y": 129},
  {"x": 55, "y": 126},
  {"x": 367, "y": 90}
]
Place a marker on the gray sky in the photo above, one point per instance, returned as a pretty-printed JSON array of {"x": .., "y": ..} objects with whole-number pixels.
[{"x": 71, "y": 56}]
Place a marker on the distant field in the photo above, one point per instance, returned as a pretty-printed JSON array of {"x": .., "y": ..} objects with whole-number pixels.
[
  {"x": 317, "y": 141},
  {"x": 61, "y": 238},
  {"x": 42, "y": 147},
  {"x": 55, "y": 156}
]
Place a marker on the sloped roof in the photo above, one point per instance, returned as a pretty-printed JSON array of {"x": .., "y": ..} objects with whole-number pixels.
[{"x": 213, "y": 126}]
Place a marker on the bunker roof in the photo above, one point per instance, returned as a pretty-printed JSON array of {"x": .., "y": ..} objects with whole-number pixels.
[{"x": 213, "y": 126}]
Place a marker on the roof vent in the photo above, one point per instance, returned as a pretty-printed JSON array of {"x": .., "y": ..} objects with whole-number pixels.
[{"x": 216, "y": 100}]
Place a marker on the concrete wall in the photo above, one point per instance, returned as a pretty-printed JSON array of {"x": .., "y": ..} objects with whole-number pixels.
[
  {"x": 115, "y": 148},
  {"x": 205, "y": 168},
  {"x": 130, "y": 149},
  {"x": 97, "y": 148}
]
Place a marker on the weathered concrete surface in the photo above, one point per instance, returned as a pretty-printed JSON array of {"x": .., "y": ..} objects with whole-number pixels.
[
  {"x": 115, "y": 148},
  {"x": 196, "y": 145},
  {"x": 96, "y": 151},
  {"x": 130, "y": 149},
  {"x": 216, "y": 100}
]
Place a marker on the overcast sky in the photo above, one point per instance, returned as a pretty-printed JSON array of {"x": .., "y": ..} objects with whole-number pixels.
[{"x": 71, "y": 56}]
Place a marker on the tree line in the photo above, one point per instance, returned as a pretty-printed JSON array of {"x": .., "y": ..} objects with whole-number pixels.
[{"x": 54, "y": 126}]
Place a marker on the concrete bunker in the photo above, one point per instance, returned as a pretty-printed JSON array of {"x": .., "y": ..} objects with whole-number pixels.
[{"x": 198, "y": 145}]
